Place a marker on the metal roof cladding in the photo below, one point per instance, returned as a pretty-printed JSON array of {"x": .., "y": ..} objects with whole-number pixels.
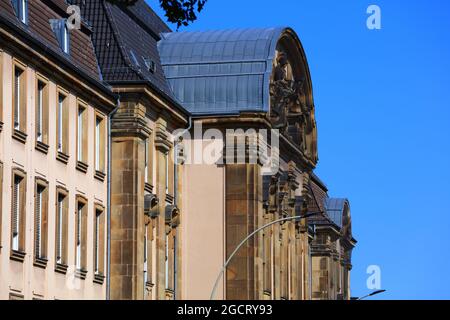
[
  {"x": 220, "y": 72},
  {"x": 335, "y": 209}
]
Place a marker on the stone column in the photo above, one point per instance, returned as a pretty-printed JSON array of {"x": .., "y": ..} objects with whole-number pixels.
[
  {"x": 243, "y": 194},
  {"x": 129, "y": 131},
  {"x": 163, "y": 147}
]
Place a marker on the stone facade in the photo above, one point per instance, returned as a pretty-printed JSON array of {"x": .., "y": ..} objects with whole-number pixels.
[
  {"x": 151, "y": 219},
  {"x": 54, "y": 112}
]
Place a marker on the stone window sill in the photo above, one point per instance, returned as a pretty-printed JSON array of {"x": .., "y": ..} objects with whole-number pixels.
[
  {"x": 81, "y": 274},
  {"x": 40, "y": 263},
  {"x": 148, "y": 187},
  {"x": 1, "y": 126},
  {"x": 42, "y": 147},
  {"x": 81, "y": 166},
  {"x": 20, "y": 136},
  {"x": 18, "y": 256},
  {"x": 61, "y": 268},
  {"x": 64, "y": 158},
  {"x": 99, "y": 278},
  {"x": 99, "y": 175}
]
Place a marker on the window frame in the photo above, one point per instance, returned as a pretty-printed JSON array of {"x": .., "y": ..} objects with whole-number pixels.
[
  {"x": 61, "y": 229},
  {"x": 81, "y": 216},
  {"x": 99, "y": 243},
  {"x": 100, "y": 146},
  {"x": 18, "y": 214},
  {"x": 41, "y": 224},
  {"x": 62, "y": 125},
  {"x": 21, "y": 10},
  {"x": 42, "y": 114},
  {"x": 82, "y": 132},
  {"x": 19, "y": 101}
]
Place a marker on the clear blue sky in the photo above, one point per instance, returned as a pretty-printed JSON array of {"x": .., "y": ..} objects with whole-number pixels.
[{"x": 383, "y": 110}]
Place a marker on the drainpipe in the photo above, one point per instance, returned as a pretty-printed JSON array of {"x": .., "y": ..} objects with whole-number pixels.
[
  {"x": 176, "y": 142},
  {"x": 108, "y": 244}
]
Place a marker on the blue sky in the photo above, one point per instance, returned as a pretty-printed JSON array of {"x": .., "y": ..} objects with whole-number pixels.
[{"x": 383, "y": 109}]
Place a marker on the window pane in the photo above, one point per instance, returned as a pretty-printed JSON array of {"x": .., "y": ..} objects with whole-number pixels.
[
  {"x": 80, "y": 135},
  {"x": 40, "y": 100},
  {"x": 60, "y": 122},
  {"x": 17, "y": 95},
  {"x": 97, "y": 143}
]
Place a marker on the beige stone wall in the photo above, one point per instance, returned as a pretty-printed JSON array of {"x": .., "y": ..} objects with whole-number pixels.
[
  {"x": 203, "y": 230},
  {"x": 22, "y": 278},
  {"x": 222, "y": 205}
]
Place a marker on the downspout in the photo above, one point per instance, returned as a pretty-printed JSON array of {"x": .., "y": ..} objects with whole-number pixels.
[
  {"x": 175, "y": 194},
  {"x": 108, "y": 244},
  {"x": 176, "y": 142}
]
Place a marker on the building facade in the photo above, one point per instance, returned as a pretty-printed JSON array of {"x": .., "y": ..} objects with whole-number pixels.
[
  {"x": 163, "y": 150},
  {"x": 53, "y": 156}
]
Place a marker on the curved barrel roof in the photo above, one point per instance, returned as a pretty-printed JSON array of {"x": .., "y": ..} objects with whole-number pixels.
[
  {"x": 335, "y": 210},
  {"x": 220, "y": 72}
]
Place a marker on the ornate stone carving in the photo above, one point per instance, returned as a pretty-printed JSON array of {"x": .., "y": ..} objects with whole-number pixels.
[{"x": 290, "y": 111}]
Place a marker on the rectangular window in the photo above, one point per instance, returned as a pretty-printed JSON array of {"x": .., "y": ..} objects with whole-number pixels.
[
  {"x": 166, "y": 165},
  {"x": 18, "y": 213},
  {"x": 42, "y": 114},
  {"x": 62, "y": 119},
  {"x": 65, "y": 38},
  {"x": 81, "y": 235},
  {"x": 267, "y": 260},
  {"x": 21, "y": 9},
  {"x": 62, "y": 210},
  {"x": 100, "y": 150},
  {"x": 19, "y": 100},
  {"x": 146, "y": 150},
  {"x": 99, "y": 241},
  {"x": 148, "y": 164},
  {"x": 171, "y": 261},
  {"x": 40, "y": 222},
  {"x": 82, "y": 132}
]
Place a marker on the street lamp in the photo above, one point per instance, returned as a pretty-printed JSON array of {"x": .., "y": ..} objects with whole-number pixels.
[
  {"x": 369, "y": 295},
  {"x": 249, "y": 237}
]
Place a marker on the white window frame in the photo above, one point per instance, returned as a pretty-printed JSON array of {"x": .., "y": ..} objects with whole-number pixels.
[
  {"x": 97, "y": 242},
  {"x": 98, "y": 124},
  {"x": 16, "y": 206},
  {"x": 65, "y": 39},
  {"x": 40, "y": 110},
  {"x": 81, "y": 111},
  {"x": 79, "y": 236},
  {"x": 40, "y": 190},
  {"x": 61, "y": 99},
  {"x": 17, "y": 76},
  {"x": 59, "y": 258}
]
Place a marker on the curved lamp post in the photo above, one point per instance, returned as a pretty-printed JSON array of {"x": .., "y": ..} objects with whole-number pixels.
[
  {"x": 248, "y": 238},
  {"x": 370, "y": 294}
]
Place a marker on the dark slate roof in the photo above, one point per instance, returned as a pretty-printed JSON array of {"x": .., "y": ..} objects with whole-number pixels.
[
  {"x": 124, "y": 39},
  {"x": 317, "y": 203},
  {"x": 81, "y": 56},
  {"x": 220, "y": 72}
]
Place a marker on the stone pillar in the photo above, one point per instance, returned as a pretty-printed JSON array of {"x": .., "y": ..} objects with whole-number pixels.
[
  {"x": 163, "y": 147},
  {"x": 129, "y": 131},
  {"x": 243, "y": 194}
]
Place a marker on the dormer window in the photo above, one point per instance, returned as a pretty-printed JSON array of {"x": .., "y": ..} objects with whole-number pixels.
[
  {"x": 21, "y": 9},
  {"x": 59, "y": 27}
]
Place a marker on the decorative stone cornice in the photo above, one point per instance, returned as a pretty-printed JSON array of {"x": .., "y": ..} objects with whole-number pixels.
[
  {"x": 162, "y": 142},
  {"x": 130, "y": 121}
]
